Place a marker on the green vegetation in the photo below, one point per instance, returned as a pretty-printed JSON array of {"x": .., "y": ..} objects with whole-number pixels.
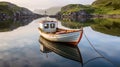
[
  {"x": 106, "y": 6},
  {"x": 8, "y": 8},
  {"x": 10, "y": 5},
  {"x": 114, "y": 4},
  {"x": 75, "y": 8},
  {"x": 98, "y": 7},
  {"x": 8, "y": 12},
  {"x": 107, "y": 26}
]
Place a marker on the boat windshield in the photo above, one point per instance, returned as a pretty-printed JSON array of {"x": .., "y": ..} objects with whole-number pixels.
[
  {"x": 52, "y": 25},
  {"x": 46, "y": 26}
]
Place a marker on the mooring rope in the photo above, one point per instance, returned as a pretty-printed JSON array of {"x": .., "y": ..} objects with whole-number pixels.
[{"x": 97, "y": 52}]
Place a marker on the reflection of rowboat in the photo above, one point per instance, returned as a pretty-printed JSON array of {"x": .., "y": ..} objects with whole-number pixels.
[
  {"x": 50, "y": 31},
  {"x": 61, "y": 49}
]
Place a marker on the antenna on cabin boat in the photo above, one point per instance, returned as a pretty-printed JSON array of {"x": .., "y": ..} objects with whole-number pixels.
[{"x": 45, "y": 15}]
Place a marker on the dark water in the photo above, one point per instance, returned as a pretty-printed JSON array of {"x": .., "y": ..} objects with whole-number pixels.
[{"x": 23, "y": 47}]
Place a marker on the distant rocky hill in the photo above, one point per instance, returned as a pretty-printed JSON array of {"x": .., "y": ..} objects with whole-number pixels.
[
  {"x": 50, "y": 11},
  {"x": 9, "y": 10},
  {"x": 74, "y": 11}
]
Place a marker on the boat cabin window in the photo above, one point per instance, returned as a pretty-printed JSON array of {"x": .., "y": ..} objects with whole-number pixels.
[
  {"x": 52, "y": 25},
  {"x": 46, "y": 26}
]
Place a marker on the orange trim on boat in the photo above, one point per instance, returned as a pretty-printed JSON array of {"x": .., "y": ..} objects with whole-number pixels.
[{"x": 81, "y": 33}]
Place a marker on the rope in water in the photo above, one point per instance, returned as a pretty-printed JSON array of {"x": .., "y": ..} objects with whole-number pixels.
[{"x": 97, "y": 52}]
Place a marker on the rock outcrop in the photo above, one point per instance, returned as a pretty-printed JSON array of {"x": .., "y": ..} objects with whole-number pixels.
[
  {"x": 10, "y": 11},
  {"x": 74, "y": 12}
]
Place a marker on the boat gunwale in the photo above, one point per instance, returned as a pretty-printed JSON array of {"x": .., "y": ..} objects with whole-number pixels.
[
  {"x": 66, "y": 31},
  {"x": 46, "y": 21}
]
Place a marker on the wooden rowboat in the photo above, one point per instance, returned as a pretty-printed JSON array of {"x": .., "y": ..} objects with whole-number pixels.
[{"x": 71, "y": 36}]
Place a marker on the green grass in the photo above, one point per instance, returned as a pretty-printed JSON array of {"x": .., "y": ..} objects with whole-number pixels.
[
  {"x": 75, "y": 8},
  {"x": 98, "y": 7},
  {"x": 107, "y": 6}
]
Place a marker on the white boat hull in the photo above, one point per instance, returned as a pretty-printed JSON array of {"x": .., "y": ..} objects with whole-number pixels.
[{"x": 72, "y": 37}]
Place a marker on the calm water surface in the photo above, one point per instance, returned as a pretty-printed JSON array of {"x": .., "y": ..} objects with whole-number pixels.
[{"x": 21, "y": 47}]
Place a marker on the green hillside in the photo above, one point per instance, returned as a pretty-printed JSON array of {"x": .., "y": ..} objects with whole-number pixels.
[
  {"x": 9, "y": 10},
  {"x": 97, "y": 7},
  {"x": 75, "y": 8},
  {"x": 107, "y": 6},
  {"x": 114, "y": 4}
]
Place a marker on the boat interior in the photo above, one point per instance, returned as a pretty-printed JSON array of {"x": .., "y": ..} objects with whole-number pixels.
[{"x": 61, "y": 31}]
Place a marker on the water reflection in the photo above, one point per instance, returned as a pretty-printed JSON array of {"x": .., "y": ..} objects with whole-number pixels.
[
  {"x": 107, "y": 26},
  {"x": 61, "y": 49},
  {"x": 11, "y": 24},
  {"x": 77, "y": 23},
  {"x": 21, "y": 48}
]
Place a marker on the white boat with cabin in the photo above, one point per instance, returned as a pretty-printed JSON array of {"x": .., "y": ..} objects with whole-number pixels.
[{"x": 50, "y": 31}]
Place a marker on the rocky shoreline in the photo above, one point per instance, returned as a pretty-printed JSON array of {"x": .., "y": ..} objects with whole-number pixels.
[{"x": 79, "y": 15}]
